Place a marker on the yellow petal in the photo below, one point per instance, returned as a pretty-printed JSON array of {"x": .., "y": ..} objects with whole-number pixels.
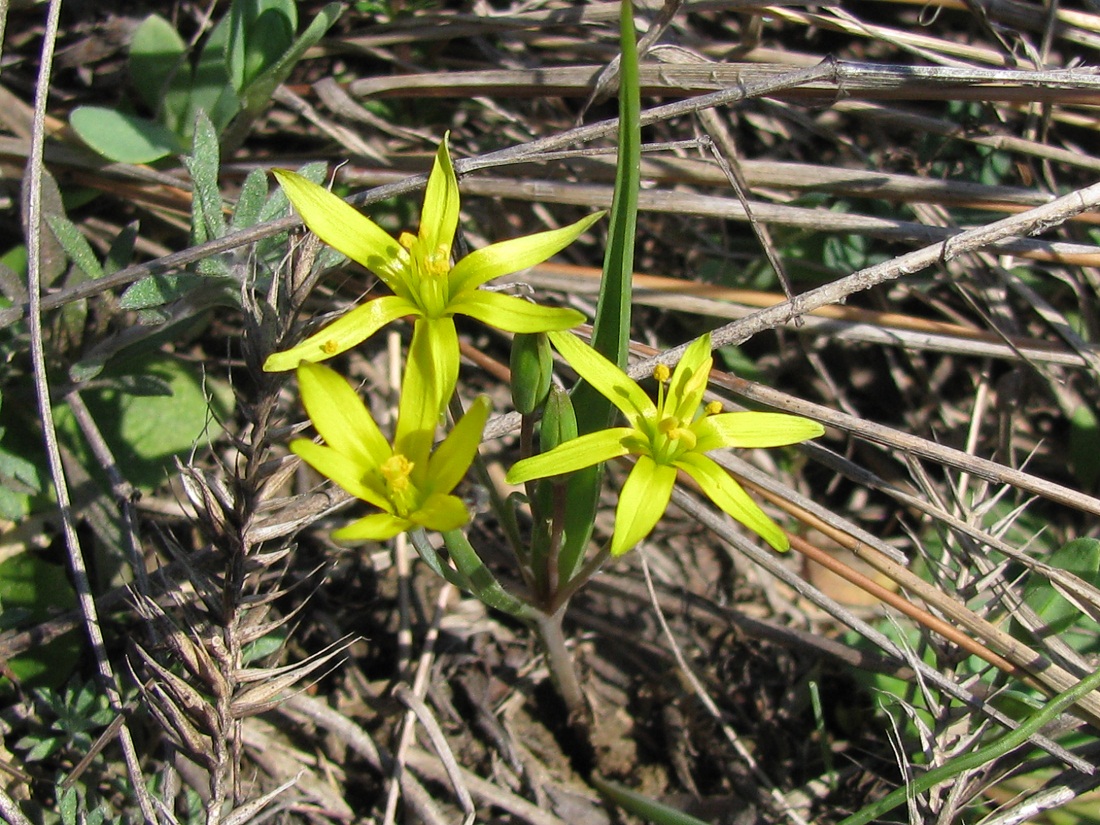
[
  {"x": 441, "y": 513},
  {"x": 349, "y": 474},
  {"x": 754, "y": 429},
  {"x": 572, "y": 455},
  {"x": 342, "y": 334},
  {"x": 375, "y": 527},
  {"x": 454, "y": 456},
  {"x": 340, "y": 416},
  {"x": 344, "y": 228},
  {"x": 439, "y": 217},
  {"x": 506, "y": 257},
  {"x": 689, "y": 381},
  {"x": 732, "y": 498},
  {"x": 642, "y": 502},
  {"x": 611, "y": 382},
  {"x": 496, "y": 309},
  {"x": 431, "y": 371}
]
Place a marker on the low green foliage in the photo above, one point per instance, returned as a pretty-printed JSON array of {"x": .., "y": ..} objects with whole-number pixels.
[
  {"x": 1004, "y": 744},
  {"x": 66, "y": 723},
  {"x": 75, "y": 714},
  {"x": 1062, "y": 615},
  {"x": 643, "y": 806},
  {"x": 183, "y": 297},
  {"x": 1084, "y": 446},
  {"x": 19, "y": 480},
  {"x": 33, "y": 590},
  {"x": 226, "y": 85},
  {"x": 151, "y": 410}
]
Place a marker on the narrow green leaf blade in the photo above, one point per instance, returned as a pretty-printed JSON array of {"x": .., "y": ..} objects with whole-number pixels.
[
  {"x": 250, "y": 202},
  {"x": 159, "y": 70},
  {"x": 611, "y": 328},
  {"x": 207, "y": 218},
  {"x": 643, "y": 807},
  {"x": 258, "y": 91},
  {"x": 121, "y": 253},
  {"x": 211, "y": 91},
  {"x": 479, "y": 579},
  {"x": 76, "y": 246}
]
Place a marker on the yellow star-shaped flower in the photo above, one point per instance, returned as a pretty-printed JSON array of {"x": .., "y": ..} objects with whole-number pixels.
[
  {"x": 675, "y": 433},
  {"x": 418, "y": 269},
  {"x": 408, "y": 482}
]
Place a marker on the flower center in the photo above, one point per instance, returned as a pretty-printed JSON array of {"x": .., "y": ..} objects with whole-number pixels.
[
  {"x": 430, "y": 268},
  {"x": 680, "y": 439},
  {"x": 395, "y": 470},
  {"x": 671, "y": 438}
]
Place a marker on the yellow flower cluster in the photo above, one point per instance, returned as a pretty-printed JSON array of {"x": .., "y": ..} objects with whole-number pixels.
[
  {"x": 406, "y": 481},
  {"x": 409, "y": 482}
]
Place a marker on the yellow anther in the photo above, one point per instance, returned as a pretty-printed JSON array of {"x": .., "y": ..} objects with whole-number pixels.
[
  {"x": 661, "y": 372},
  {"x": 686, "y": 437},
  {"x": 406, "y": 239},
  {"x": 713, "y": 408},
  {"x": 675, "y": 430},
  {"x": 330, "y": 347},
  {"x": 395, "y": 470},
  {"x": 438, "y": 262}
]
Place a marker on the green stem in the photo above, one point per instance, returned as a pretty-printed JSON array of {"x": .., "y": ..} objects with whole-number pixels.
[
  {"x": 560, "y": 661},
  {"x": 562, "y": 597},
  {"x": 496, "y": 502},
  {"x": 562, "y": 669},
  {"x": 526, "y": 436},
  {"x": 557, "y": 531},
  {"x": 995, "y": 750},
  {"x": 480, "y": 581}
]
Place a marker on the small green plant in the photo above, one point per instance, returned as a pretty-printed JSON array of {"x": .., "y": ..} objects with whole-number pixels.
[
  {"x": 1050, "y": 595},
  {"x": 77, "y": 712},
  {"x": 19, "y": 480},
  {"x": 31, "y": 590},
  {"x": 229, "y": 82},
  {"x": 66, "y": 724},
  {"x": 1001, "y": 746}
]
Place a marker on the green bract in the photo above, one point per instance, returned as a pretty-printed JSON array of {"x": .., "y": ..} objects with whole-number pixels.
[
  {"x": 407, "y": 481},
  {"x": 672, "y": 434},
  {"x": 418, "y": 269}
]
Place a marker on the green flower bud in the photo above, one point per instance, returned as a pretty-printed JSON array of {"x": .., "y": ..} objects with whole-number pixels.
[
  {"x": 532, "y": 364},
  {"x": 559, "y": 421}
]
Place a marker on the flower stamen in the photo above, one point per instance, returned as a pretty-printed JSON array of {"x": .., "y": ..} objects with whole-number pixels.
[{"x": 396, "y": 471}]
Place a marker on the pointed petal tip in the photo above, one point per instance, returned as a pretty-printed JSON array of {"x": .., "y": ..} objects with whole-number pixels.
[
  {"x": 375, "y": 527},
  {"x": 278, "y": 362}
]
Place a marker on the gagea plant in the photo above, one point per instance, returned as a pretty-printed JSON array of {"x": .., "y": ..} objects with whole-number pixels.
[{"x": 409, "y": 481}]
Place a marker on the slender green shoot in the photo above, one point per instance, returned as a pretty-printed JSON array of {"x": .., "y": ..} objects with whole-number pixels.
[{"x": 611, "y": 328}]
